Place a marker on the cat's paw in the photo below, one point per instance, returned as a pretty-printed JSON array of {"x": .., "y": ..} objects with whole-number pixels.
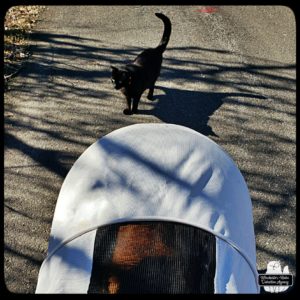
[
  {"x": 127, "y": 111},
  {"x": 151, "y": 98}
]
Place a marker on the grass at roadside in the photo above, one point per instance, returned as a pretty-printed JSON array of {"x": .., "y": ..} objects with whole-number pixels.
[{"x": 18, "y": 23}]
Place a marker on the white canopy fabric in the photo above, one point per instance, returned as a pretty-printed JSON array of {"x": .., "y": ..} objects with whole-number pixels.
[{"x": 152, "y": 172}]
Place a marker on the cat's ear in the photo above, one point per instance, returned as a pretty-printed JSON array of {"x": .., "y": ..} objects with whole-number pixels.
[{"x": 114, "y": 69}]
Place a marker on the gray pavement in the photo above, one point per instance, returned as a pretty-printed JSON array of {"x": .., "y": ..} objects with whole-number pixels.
[{"x": 230, "y": 75}]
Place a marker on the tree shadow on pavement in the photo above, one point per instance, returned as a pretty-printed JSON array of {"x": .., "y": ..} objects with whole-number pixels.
[
  {"x": 65, "y": 102},
  {"x": 192, "y": 109}
]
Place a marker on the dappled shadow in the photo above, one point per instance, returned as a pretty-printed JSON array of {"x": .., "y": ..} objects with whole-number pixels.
[
  {"x": 48, "y": 158},
  {"x": 69, "y": 254},
  {"x": 63, "y": 101}
]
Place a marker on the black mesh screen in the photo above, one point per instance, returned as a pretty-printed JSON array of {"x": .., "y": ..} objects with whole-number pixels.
[{"x": 153, "y": 257}]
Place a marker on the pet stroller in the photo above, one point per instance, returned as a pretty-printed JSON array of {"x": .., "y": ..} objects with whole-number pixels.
[{"x": 152, "y": 208}]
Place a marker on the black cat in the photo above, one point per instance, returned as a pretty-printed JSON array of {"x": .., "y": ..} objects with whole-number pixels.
[{"x": 142, "y": 73}]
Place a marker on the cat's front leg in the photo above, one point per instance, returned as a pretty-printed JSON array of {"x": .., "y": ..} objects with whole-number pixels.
[
  {"x": 150, "y": 94},
  {"x": 127, "y": 111},
  {"x": 135, "y": 105}
]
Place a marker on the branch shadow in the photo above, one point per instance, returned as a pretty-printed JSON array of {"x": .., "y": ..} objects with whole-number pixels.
[
  {"x": 68, "y": 69},
  {"x": 47, "y": 158}
]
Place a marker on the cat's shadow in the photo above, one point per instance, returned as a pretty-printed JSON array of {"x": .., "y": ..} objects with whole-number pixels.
[{"x": 188, "y": 108}]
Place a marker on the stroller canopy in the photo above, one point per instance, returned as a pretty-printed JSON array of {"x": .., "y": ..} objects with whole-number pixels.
[{"x": 152, "y": 173}]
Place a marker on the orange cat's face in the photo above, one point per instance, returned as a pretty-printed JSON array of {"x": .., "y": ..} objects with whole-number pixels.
[{"x": 135, "y": 243}]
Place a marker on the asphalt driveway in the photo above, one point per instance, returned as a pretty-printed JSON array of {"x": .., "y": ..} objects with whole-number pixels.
[{"x": 228, "y": 73}]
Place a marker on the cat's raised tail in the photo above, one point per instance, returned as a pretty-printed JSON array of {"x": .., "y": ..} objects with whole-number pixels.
[{"x": 167, "y": 32}]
